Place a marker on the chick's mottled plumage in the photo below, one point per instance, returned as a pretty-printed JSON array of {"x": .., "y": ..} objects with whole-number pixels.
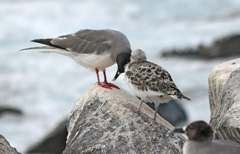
[
  {"x": 149, "y": 77},
  {"x": 150, "y": 82}
]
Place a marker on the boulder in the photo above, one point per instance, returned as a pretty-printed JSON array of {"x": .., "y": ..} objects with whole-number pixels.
[
  {"x": 227, "y": 46},
  {"x": 10, "y": 110},
  {"x": 107, "y": 121},
  {"x": 55, "y": 141},
  {"x": 5, "y": 147},
  {"x": 224, "y": 96}
]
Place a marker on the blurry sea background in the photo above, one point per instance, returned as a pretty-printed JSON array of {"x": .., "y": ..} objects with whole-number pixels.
[{"x": 46, "y": 86}]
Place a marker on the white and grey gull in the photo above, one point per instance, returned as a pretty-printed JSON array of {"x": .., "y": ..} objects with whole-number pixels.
[
  {"x": 149, "y": 81},
  {"x": 200, "y": 140},
  {"x": 93, "y": 49}
]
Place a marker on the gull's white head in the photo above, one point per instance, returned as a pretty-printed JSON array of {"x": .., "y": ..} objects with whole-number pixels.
[{"x": 138, "y": 54}]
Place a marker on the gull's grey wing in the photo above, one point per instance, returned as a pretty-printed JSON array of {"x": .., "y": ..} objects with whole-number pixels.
[
  {"x": 148, "y": 76},
  {"x": 84, "y": 41}
]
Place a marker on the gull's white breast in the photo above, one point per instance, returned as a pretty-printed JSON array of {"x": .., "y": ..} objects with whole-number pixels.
[{"x": 93, "y": 61}]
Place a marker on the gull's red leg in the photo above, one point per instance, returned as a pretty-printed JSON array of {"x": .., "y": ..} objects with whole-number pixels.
[
  {"x": 105, "y": 77},
  {"x": 107, "y": 83},
  {"x": 97, "y": 72},
  {"x": 102, "y": 84}
]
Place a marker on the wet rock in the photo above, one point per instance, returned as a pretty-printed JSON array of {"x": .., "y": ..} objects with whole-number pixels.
[
  {"x": 10, "y": 110},
  {"x": 228, "y": 46},
  {"x": 172, "y": 112},
  {"x": 107, "y": 121},
  {"x": 54, "y": 142},
  {"x": 224, "y": 87},
  {"x": 5, "y": 147}
]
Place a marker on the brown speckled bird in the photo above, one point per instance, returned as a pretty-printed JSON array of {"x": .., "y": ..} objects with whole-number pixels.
[{"x": 150, "y": 82}]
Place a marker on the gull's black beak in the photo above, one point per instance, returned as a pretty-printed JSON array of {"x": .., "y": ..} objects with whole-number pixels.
[
  {"x": 122, "y": 60},
  {"x": 178, "y": 130},
  {"x": 116, "y": 75}
]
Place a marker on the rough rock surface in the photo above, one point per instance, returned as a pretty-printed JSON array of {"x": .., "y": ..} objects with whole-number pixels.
[
  {"x": 107, "y": 121},
  {"x": 55, "y": 141},
  {"x": 5, "y": 147},
  {"x": 224, "y": 95},
  {"x": 227, "y": 46}
]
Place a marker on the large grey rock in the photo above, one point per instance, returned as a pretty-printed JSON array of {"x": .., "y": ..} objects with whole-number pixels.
[
  {"x": 5, "y": 147},
  {"x": 106, "y": 121},
  {"x": 55, "y": 141},
  {"x": 224, "y": 95}
]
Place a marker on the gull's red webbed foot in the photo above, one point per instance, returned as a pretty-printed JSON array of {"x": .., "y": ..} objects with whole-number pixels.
[
  {"x": 113, "y": 85},
  {"x": 105, "y": 85}
]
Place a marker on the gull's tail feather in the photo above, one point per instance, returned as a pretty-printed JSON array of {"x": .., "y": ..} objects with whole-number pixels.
[
  {"x": 43, "y": 41},
  {"x": 46, "y": 49},
  {"x": 37, "y": 48},
  {"x": 48, "y": 42}
]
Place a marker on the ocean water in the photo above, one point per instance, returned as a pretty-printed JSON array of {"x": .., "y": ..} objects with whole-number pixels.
[{"x": 45, "y": 86}]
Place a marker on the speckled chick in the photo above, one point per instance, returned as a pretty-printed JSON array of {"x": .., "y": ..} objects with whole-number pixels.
[{"x": 150, "y": 82}]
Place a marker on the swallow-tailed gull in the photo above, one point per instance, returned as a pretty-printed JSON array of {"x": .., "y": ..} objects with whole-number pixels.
[{"x": 93, "y": 49}]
